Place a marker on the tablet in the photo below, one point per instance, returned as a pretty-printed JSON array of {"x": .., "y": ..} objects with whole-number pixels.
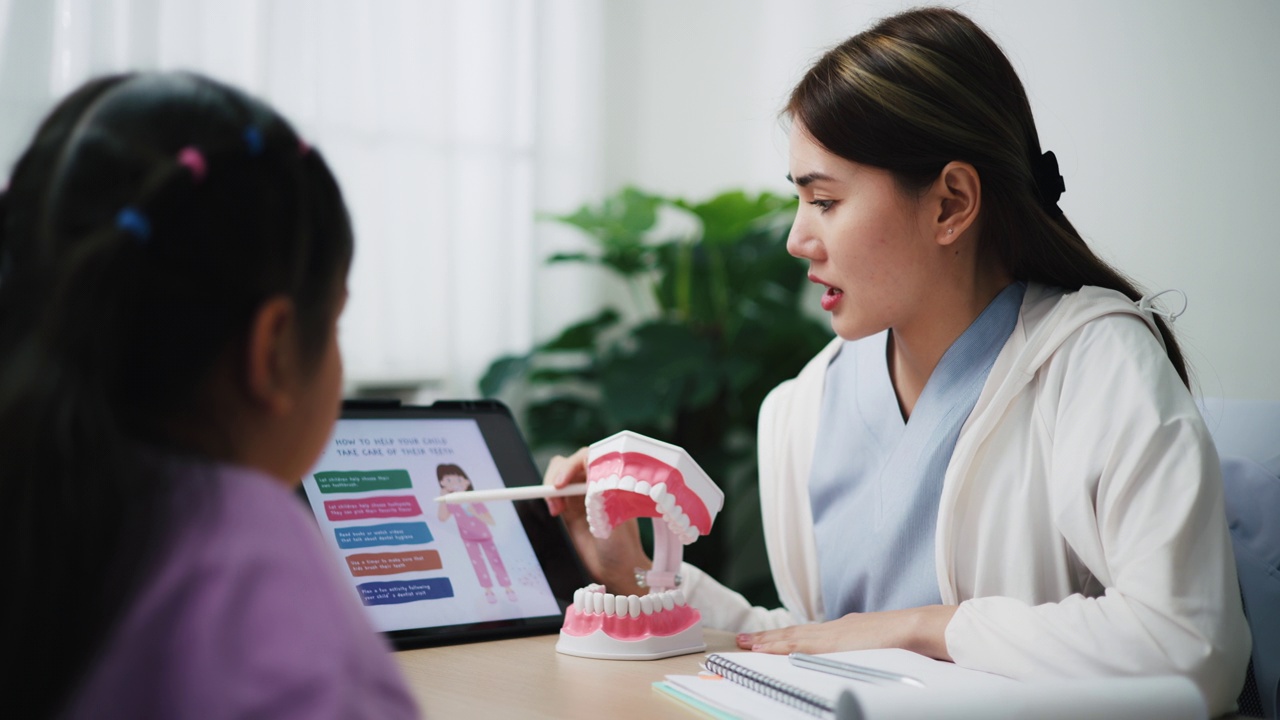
[{"x": 429, "y": 573}]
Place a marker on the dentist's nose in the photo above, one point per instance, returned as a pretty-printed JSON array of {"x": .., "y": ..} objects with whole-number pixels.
[{"x": 800, "y": 241}]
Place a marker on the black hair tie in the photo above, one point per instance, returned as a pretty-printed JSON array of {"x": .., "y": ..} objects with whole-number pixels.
[{"x": 1049, "y": 182}]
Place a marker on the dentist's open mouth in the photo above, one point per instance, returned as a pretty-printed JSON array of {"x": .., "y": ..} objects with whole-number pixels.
[{"x": 831, "y": 297}]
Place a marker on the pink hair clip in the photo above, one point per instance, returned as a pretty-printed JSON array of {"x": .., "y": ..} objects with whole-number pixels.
[{"x": 192, "y": 159}]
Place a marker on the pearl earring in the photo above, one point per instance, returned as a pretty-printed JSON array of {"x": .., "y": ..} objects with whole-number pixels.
[{"x": 950, "y": 230}]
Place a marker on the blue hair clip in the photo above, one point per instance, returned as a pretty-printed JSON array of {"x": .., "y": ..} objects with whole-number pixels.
[
  {"x": 253, "y": 139},
  {"x": 132, "y": 221}
]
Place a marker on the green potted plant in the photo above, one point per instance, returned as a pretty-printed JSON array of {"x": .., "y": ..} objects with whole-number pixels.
[{"x": 727, "y": 328}]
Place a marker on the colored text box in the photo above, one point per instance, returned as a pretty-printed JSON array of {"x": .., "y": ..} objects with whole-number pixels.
[
  {"x": 374, "y": 507},
  {"x": 364, "y": 564},
  {"x": 346, "y": 481},
  {"x": 413, "y": 533},
  {"x": 404, "y": 591}
]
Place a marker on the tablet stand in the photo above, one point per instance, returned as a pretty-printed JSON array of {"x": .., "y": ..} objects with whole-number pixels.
[{"x": 632, "y": 476}]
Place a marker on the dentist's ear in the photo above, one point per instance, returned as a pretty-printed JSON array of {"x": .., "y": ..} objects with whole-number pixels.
[{"x": 956, "y": 197}]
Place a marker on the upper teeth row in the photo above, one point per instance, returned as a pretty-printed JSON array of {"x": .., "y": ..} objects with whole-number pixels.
[
  {"x": 593, "y": 599},
  {"x": 675, "y": 517}
]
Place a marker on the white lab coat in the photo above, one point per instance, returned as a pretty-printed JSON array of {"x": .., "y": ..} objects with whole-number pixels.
[{"x": 1081, "y": 529}]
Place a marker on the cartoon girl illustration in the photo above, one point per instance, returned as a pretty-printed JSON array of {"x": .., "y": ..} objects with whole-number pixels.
[{"x": 473, "y": 525}]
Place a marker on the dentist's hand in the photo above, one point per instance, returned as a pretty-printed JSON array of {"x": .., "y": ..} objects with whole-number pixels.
[
  {"x": 921, "y": 630},
  {"x": 611, "y": 561}
]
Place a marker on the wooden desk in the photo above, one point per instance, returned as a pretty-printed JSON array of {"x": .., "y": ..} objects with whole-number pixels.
[{"x": 527, "y": 678}]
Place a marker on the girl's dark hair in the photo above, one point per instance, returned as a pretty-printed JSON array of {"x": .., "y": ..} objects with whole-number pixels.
[
  {"x": 149, "y": 219},
  {"x": 928, "y": 87},
  {"x": 450, "y": 469}
]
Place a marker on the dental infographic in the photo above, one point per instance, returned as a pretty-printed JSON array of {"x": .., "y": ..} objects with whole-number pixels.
[{"x": 414, "y": 562}]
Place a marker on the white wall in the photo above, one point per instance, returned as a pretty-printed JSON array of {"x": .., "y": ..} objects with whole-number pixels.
[
  {"x": 1163, "y": 116},
  {"x": 1162, "y": 113}
]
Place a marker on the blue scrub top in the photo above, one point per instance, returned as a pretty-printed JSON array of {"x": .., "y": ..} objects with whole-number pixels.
[{"x": 876, "y": 479}]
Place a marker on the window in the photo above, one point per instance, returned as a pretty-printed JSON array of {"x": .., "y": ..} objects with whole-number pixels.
[{"x": 427, "y": 113}]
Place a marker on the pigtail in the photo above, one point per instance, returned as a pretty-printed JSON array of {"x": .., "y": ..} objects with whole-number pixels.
[
  {"x": 78, "y": 549},
  {"x": 4, "y": 222},
  {"x": 83, "y": 505}
]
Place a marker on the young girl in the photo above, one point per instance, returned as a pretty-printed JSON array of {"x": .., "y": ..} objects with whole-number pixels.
[
  {"x": 998, "y": 461},
  {"x": 474, "y": 522},
  {"x": 173, "y": 262}
]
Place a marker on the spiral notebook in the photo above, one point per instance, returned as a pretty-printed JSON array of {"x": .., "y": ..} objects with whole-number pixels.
[{"x": 756, "y": 685}]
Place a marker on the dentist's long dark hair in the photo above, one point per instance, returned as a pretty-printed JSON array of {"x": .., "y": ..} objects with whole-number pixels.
[
  {"x": 927, "y": 87},
  {"x": 111, "y": 325}
]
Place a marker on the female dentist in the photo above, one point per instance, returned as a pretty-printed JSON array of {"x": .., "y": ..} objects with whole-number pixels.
[{"x": 997, "y": 461}]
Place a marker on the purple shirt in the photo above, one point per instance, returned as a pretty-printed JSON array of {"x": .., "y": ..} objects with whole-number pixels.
[{"x": 245, "y": 616}]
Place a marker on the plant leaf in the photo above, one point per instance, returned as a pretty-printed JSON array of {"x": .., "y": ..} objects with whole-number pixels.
[
  {"x": 618, "y": 225},
  {"x": 664, "y": 367},
  {"x": 583, "y": 334},
  {"x": 727, "y": 216},
  {"x": 573, "y": 257},
  {"x": 564, "y": 422},
  {"x": 502, "y": 371}
]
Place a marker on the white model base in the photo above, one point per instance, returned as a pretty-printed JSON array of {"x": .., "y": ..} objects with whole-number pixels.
[{"x": 600, "y": 646}]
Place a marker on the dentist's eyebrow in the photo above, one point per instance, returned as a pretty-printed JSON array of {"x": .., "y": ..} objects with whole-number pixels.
[{"x": 808, "y": 178}]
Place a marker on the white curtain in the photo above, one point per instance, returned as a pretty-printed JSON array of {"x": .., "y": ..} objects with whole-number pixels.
[{"x": 436, "y": 116}]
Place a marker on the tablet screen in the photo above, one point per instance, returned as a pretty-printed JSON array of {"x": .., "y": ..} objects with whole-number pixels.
[{"x": 431, "y": 571}]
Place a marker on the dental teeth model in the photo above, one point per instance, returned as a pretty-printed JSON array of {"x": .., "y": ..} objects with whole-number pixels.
[{"x": 630, "y": 476}]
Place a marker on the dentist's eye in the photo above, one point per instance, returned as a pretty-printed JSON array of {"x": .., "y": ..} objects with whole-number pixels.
[{"x": 822, "y": 205}]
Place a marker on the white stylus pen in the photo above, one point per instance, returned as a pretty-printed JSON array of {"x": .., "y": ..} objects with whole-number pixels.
[
  {"x": 524, "y": 492},
  {"x": 849, "y": 670}
]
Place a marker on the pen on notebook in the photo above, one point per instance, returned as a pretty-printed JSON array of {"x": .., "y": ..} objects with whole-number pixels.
[
  {"x": 856, "y": 672},
  {"x": 524, "y": 492}
]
